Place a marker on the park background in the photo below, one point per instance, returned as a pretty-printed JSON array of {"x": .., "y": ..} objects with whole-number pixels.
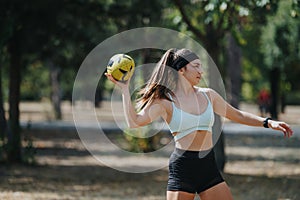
[{"x": 255, "y": 45}]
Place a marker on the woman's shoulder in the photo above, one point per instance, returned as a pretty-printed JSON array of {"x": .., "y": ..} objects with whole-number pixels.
[
  {"x": 209, "y": 92},
  {"x": 203, "y": 90},
  {"x": 162, "y": 106},
  {"x": 162, "y": 102}
]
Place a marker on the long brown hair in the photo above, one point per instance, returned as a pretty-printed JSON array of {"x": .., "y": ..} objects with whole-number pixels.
[{"x": 163, "y": 80}]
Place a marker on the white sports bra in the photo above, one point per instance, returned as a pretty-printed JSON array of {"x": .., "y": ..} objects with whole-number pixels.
[{"x": 184, "y": 123}]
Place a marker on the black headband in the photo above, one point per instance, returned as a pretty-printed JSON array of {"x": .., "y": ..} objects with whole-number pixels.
[{"x": 183, "y": 61}]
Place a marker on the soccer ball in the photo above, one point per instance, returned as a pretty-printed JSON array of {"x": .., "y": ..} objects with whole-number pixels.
[{"x": 121, "y": 67}]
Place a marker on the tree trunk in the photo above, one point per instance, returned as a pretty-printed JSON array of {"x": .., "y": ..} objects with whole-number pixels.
[
  {"x": 275, "y": 91},
  {"x": 233, "y": 78},
  {"x": 55, "y": 90},
  {"x": 218, "y": 139},
  {"x": 99, "y": 94},
  {"x": 14, "y": 131},
  {"x": 2, "y": 111}
]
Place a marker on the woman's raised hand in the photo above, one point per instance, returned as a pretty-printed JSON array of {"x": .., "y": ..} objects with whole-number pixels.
[{"x": 122, "y": 85}]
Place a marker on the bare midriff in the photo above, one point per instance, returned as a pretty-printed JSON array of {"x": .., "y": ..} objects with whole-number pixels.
[{"x": 196, "y": 141}]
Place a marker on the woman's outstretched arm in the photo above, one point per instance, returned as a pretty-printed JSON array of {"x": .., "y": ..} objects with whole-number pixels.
[{"x": 222, "y": 108}]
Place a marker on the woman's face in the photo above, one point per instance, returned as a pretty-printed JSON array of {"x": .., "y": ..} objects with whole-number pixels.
[{"x": 193, "y": 71}]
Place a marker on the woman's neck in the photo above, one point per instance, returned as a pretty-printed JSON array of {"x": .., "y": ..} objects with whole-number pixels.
[{"x": 184, "y": 88}]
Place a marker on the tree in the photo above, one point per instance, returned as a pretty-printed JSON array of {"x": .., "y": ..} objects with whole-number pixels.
[
  {"x": 279, "y": 46},
  {"x": 14, "y": 131},
  {"x": 51, "y": 31},
  {"x": 17, "y": 30},
  {"x": 25, "y": 28},
  {"x": 3, "y": 123},
  {"x": 233, "y": 78}
]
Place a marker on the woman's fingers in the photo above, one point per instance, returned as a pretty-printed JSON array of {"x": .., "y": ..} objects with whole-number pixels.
[
  {"x": 118, "y": 83},
  {"x": 282, "y": 126},
  {"x": 109, "y": 76},
  {"x": 288, "y": 131}
]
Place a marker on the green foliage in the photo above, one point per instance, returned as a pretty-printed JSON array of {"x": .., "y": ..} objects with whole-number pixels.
[
  {"x": 64, "y": 32},
  {"x": 253, "y": 80},
  {"x": 280, "y": 45},
  {"x": 141, "y": 140},
  {"x": 280, "y": 38},
  {"x": 292, "y": 98},
  {"x": 35, "y": 83},
  {"x": 211, "y": 20},
  {"x": 29, "y": 151},
  {"x": 254, "y": 72}
]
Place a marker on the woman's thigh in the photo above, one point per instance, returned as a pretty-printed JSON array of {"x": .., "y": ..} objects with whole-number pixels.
[
  {"x": 220, "y": 191},
  {"x": 179, "y": 195}
]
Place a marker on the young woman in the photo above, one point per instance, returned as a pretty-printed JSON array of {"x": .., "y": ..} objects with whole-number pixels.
[{"x": 171, "y": 94}]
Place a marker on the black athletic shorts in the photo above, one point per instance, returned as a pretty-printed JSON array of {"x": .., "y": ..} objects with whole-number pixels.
[{"x": 193, "y": 171}]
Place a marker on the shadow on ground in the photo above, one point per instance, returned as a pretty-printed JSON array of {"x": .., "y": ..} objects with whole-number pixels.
[{"x": 258, "y": 167}]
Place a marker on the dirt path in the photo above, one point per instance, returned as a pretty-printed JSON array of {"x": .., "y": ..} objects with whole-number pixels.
[
  {"x": 42, "y": 111},
  {"x": 259, "y": 167}
]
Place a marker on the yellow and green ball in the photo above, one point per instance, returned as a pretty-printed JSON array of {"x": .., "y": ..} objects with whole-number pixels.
[{"x": 121, "y": 67}]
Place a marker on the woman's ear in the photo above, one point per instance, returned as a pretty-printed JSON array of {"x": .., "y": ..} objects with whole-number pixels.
[{"x": 181, "y": 71}]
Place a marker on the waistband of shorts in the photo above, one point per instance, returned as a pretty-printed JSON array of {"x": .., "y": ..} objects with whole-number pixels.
[{"x": 192, "y": 154}]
